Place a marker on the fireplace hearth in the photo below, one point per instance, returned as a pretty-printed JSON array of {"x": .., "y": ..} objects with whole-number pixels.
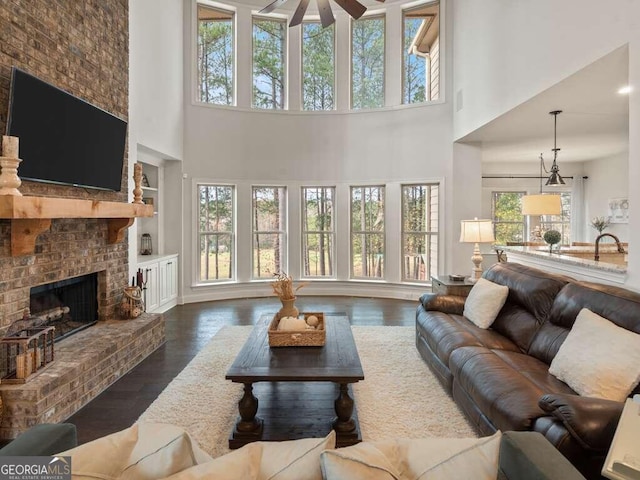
[{"x": 69, "y": 305}]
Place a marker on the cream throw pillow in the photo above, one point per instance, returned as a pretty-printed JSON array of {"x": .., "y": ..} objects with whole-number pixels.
[
  {"x": 598, "y": 358},
  {"x": 484, "y": 302},
  {"x": 144, "y": 451},
  {"x": 241, "y": 464},
  {"x": 422, "y": 459}
]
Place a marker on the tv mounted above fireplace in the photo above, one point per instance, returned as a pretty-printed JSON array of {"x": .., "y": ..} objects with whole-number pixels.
[{"x": 64, "y": 139}]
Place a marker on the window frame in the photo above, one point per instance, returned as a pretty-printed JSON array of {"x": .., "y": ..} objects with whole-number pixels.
[
  {"x": 565, "y": 219},
  {"x": 335, "y": 61},
  {"x": 283, "y": 232},
  {"x": 524, "y": 223},
  {"x": 332, "y": 232},
  {"x": 404, "y": 278},
  {"x": 352, "y": 233},
  {"x": 285, "y": 62},
  {"x": 233, "y": 234},
  {"x": 371, "y": 16},
  {"x": 227, "y": 9}
]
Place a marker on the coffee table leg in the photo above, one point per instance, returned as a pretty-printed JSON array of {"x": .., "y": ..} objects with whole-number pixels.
[
  {"x": 248, "y": 407},
  {"x": 344, "y": 409}
]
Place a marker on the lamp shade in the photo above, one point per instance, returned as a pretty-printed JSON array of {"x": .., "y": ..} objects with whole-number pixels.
[
  {"x": 541, "y": 204},
  {"x": 476, "y": 231}
]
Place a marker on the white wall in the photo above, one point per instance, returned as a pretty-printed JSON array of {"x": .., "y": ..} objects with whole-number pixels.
[
  {"x": 506, "y": 53},
  {"x": 156, "y": 88}
]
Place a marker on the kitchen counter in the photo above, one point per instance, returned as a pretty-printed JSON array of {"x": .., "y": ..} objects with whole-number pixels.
[{"x": 576, "y": 262}]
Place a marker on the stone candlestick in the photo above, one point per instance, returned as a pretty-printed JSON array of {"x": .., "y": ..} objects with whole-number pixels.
[{"x": 9, "y": 161}]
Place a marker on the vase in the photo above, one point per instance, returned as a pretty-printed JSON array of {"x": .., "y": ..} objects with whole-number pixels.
[{"x": 288, "y": 308}]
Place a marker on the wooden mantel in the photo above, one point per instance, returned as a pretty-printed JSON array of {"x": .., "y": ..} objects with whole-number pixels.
[{"x": 30, "y": 216}]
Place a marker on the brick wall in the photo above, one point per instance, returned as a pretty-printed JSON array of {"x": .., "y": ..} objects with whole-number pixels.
[{"x": 81, "y": 47}]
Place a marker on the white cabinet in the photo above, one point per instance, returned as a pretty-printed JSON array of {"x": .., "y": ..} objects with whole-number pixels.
[{"x": 160, "y": 273}]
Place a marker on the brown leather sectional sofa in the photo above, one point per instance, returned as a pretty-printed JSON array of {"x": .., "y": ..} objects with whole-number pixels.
[{"x": 499, "y": 377}]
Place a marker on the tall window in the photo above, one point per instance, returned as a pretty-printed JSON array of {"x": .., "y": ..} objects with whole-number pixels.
[
  {"x": 318, "y": 66},
  {"x": 216, "y": 224},
  {"x": 367, "y": 62},
  {"x": 318, "y": 231},
  {"x": 421, "y": 54},
  {"x": 367, "y": 232},
  {"x": 562, "y": 222},
  {"x": 269, "y": 215},
  {"x": 269, "y": 39},
  {"x": 508, "y": 221},
  {"x": 420, "y": 231},
  {"x": 215, "y": 56}
]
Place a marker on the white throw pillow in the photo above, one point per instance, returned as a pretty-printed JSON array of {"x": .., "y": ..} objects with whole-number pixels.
[
  {"x": 294, "y": 459},
  {"x": 144, "y": 451},
  {"x": 484, "y": 302},
  {"x": 241, "y": 464},
  {"x": 598, "y": 358},
  {"x": 422, "y": 459}
]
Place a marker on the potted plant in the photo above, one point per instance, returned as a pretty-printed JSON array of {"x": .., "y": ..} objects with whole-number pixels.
[
  {"x": 552, "y": 237},
  {"x": 600, "y": 223}
]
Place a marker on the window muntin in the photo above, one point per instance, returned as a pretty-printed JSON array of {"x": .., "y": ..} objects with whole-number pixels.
[
  {"x": 421, "y": 54},
  {"x": 216, "y": 225},
  {"x": 318, "y": 66},
  {"x": 268, "y": 225},
  {"x": 562, "y": 222},
  {"x": 269, "y": 62},
  {"x": 318, "y": 232},
  {"x": 420, "y": 216},
  {"x": 508, "y": 221},
  {"x": 367, "y": 231},
  {"x": 215, "y": 56},
  {"x": 367, "y": 62}
]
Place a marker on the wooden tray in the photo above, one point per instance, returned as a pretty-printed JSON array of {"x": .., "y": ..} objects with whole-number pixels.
[{"x": 298, "y": 338}]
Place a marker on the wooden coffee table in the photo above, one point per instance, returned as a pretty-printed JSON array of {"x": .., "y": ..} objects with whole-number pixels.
[{"x": 297, "y": 386}]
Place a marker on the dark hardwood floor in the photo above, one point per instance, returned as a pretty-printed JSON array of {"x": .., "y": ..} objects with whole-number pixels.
[{"x": 189, "y": 328}]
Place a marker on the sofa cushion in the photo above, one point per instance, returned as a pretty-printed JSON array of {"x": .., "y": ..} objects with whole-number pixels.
[
  {"x": 531, "y": 295},
  {"x": 505, "y": 385},
  {"x": 241, "y": 464},
  {"x": 484, "y": 302},
  {"x": 598, "y": 358},
  {"x": 415, "y": 459}
]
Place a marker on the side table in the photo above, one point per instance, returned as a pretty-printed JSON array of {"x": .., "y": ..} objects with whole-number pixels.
[{"x": 444, "y": 285}]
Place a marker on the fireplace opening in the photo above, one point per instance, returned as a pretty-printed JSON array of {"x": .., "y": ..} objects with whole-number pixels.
[{"x": 68, "y": 305}]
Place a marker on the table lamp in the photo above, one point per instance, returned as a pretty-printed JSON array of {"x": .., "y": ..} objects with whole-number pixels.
[{"x": 476, "y": 231}]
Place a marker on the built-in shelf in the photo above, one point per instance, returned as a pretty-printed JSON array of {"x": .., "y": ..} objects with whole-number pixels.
[{"x": 30, "y": 216}]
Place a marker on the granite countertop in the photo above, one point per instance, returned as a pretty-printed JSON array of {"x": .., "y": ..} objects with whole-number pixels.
[{"x": 567, "y": 258}]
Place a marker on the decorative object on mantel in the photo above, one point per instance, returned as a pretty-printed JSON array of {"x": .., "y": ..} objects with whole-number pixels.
[
  {"x": 9, "y": 161},
  {"x": 476, "y": 231},
  {"x": 308, "y": 331},
  {"x": 131, "y": 305},
  {"x": 552, "y": 237},
  {"x": 137, "y": 179},
  {"x": 146, "y": 246},
  {"x": 283, "y": 288},
  {"x": 600, "y": 223},
  {"x": 25, "y": 353}
]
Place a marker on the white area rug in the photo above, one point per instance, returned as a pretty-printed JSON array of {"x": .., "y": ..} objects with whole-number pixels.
[{"x": 200, "y": 400}]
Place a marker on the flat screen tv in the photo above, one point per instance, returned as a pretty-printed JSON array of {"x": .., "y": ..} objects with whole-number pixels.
[{"x": 64, "y": 139}]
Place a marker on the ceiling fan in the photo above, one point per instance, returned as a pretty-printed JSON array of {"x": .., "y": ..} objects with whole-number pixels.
[{"x": 352, "y": 7}]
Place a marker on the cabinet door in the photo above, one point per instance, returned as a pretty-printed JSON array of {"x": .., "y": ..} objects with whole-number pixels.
[
  {"x": 164, "y": 271},
  {"x": 151, "y": 291},
  {"x": 172, "y": 278}
]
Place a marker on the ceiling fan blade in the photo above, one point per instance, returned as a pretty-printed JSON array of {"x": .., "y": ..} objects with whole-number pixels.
[
  {"x": 272, "y": 6},
  {"x": 326, "y": 15},
  {"x": 296, "y": 19},
  {"x": 352, "y": 7}
]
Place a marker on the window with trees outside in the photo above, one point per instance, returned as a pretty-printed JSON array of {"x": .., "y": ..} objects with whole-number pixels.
[
  {"x": 269, "y": 214},
  {"x": 367, "y": 62},
  {"x": 508, "y": 221},
  {"x": 367, "y": 232},
  {"x": 561, "y": 223},
  {"x": 421, "y": 54},
  {"x": 318, "y": 66},
  {"x": 216, "y": 226},
  {"x": 269, "y": 40},
  {"x": 318, "y": 231},
  {"x": 420, "y": 216},
  {"x": 215, "y": 56}
]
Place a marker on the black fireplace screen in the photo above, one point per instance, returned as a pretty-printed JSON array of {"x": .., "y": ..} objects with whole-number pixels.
[{"x": 68, "y": 305}]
